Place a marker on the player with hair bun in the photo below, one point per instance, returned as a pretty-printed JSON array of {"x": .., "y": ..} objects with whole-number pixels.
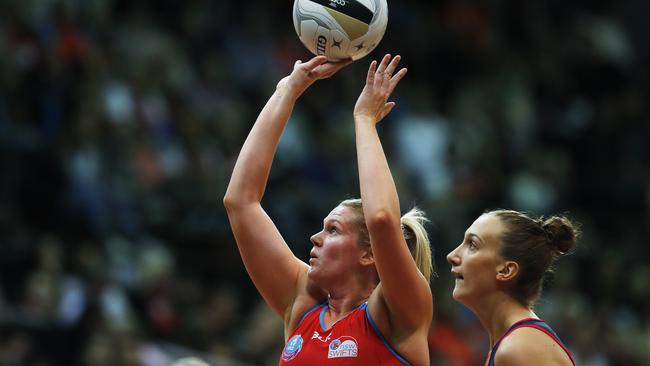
[{"x": 499, "y": 269}]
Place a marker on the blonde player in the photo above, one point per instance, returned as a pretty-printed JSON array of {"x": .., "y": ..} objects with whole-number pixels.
[{"x": 364, "y": 297}]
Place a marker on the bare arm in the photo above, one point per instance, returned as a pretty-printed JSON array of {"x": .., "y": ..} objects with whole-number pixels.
[
  {"x": 274, "y": 269},
  {"x": 403, "y": 288}
]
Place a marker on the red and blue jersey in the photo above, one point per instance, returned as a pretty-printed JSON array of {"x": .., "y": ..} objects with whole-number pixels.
[
  {"x": 352, "y": 341},
  {"x": 530, "y": 323}
]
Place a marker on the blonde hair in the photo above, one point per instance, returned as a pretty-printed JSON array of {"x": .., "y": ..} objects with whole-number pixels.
[{"x": 413, "y": 229}]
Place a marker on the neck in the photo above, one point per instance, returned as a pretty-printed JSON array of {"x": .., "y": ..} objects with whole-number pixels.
[
  {"x": 348, "y": 296},
  {"x": 341, "y": 306},
  {"x": 499, "y": 312}
]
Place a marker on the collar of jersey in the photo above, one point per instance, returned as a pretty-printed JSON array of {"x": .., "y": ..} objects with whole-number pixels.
[{"x": 327, "y": 306}]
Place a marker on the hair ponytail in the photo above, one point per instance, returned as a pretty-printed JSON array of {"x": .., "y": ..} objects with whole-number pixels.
[
  {"x": 417, "y": 240},
  {"x": 413, "y": 230}
]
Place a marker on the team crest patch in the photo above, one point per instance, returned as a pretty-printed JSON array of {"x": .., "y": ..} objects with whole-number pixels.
[
  {"x": 343, "y": 347},
  {"x": 292, "y": 348}
]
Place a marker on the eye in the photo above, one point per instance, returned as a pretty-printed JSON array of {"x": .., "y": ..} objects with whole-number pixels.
[
  {"x": 471, "y": 244},
  {"x": 333, "y": 230}
]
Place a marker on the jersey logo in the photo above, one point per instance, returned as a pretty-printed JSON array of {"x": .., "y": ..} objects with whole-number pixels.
[
  {"x": 343, "y": 347},
  {"x": 292, "y": 348},
  {"x": 316, "y": 335}
]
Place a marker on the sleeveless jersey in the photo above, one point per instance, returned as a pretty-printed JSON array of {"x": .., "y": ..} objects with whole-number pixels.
[
  {"x": 530, "y": 323},
  {"x": 352, "y": 341}
]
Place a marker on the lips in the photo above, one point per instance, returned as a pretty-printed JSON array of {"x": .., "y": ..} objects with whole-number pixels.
[
  {"x": 457, "y": 275},
  {"x": 312, "y": 257}
]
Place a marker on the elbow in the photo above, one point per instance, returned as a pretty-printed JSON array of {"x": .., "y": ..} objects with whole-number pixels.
[
  {"x": 380, "y": 220},
  {"x": 228, "y": 202},
  {"x": 233, "y": 202}
]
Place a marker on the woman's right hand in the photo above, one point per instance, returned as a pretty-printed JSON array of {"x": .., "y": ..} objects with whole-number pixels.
[{"x": 305, "y": 74}]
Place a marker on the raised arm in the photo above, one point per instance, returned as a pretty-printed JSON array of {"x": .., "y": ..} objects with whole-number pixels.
[
  {"x": 403, "y": 289},
  {"x": 274, "y": 269}
]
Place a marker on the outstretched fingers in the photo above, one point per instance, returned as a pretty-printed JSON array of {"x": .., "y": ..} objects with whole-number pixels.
[
  {"x": 383, "y": 64},
  {"x": 387, "y": 108},
  {"x": 380, "y": 82},
  {"x": 396, "y": 79},
  {"x": 390, "y": 69},
  {"x": 380, "y": 74},
  {"x": 330, "y": 68},
  {"x": 310, "y": 65},
  {"x": 322, "y": 69},
  {"x": 370, "y": 79}
]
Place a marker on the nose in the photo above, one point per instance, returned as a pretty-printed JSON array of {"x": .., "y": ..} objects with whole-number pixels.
[
  {"x": 315, "y": 239},
  {"x": 453, "y": 257}
]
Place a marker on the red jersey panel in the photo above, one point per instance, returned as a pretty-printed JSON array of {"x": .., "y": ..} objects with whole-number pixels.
[{"x": 352, "y": 341}]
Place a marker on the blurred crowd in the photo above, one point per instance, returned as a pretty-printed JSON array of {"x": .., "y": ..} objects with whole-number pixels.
[{"x": 120, "y": 122}]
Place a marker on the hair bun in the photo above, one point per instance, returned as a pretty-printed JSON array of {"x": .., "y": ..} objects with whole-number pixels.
[{"x": 562, "y": 234}]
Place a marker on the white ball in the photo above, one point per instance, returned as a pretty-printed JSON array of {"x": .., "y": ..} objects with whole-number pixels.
[{"x": 340, "y": 29}]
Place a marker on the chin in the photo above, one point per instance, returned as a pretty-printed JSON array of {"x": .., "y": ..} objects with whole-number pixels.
[
  {"x": 454, "y": 295},
  {"x": 312, "y": 274},
  {"x": 458, "y": 296}
]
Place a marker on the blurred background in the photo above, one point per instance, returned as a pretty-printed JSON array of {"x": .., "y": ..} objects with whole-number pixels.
[{"x": 120, "y": 122}]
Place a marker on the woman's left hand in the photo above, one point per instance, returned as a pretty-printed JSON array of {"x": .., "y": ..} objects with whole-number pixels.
[{"x": 373, "y": 104}]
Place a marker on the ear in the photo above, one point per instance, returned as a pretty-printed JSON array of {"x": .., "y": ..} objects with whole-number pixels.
[
  {"x": 367, "y": 258},
  {"x": 507, "y": 271}
]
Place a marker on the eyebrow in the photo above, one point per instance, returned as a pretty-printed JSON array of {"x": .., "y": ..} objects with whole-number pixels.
[
  {"x": 325, "y": 221},
  {"x": 476, "y": 236}
]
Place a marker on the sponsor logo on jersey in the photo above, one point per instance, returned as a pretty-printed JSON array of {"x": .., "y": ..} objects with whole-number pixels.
[
  {"x": 292, "y": 348},
  {"x": 317, "y": 335},
  {"x": 343, "y": 347}
]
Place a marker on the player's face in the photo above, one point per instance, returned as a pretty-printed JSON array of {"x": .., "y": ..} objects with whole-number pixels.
[
  {"x": 475, "y": 261},
  {"x": 336, "y": 250}
]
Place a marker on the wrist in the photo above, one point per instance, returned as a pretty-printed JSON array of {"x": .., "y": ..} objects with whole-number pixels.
[
  {"x": 364, "y": 119},
  {"x": 289, "y": 92}
]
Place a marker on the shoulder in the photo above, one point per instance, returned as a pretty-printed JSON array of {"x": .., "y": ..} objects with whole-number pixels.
[{"x": 530, "y": 346}]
